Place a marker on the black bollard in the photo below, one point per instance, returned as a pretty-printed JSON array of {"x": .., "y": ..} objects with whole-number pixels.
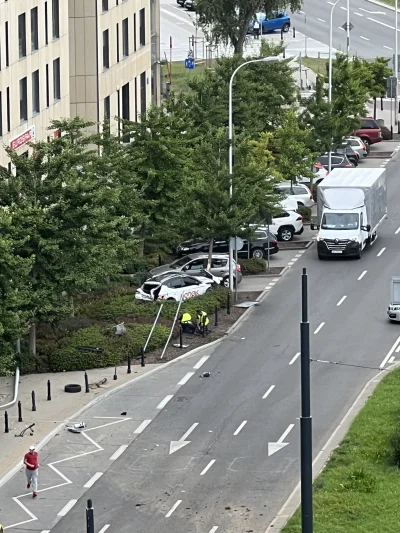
[
  {"x": 391, "y": 132},
  {"x": 19, "y": 412},
  {"x": 33, "y": 401},
  {"x": 86, "y": 382},
  {"x": 181, "y": 337},
  {"x": 294, "y": 32},
  {"x": 89, "y": 517},
  {"x": 48, "y": 390},
  {"x": 228, "y": 305},
  {"x": 216, "y": 316},
  {"x": 115, "y": 373},
  {"x": 159, "y": 260},
  {"x": 142, "y": 363},
  {"x": 281, "y": 35},
  {"x": 6, "y": 428},
  {"x": 129, "y": 371}
]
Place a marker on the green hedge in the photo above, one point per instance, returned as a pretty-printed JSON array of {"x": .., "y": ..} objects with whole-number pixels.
[
  {"x": 253, "y": 266},
  {"x": 305, "y": 212}
]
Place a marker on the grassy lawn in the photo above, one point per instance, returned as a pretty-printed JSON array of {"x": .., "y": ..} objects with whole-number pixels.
[
  {"x": 359, "y": 490},
  {"x": 181, "y": 75},
  {"x": 317, "y": 65}
]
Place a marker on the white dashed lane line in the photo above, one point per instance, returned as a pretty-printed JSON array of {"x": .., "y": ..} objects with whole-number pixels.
[
  {"x": 365, "y": 38},
  {"x": 319, "y": 328},
  {"x": 104, "y": 528},
  {"x": 92, "y": 480},
  {"x": 173, "y": 508},
  {"x": 142, "y": 427},
  {"x": 294, "y": 358},
  {"x": 67, "y": 508},
  {"x": 341, "y": 301},
  {"x": 119, "y": 452},
  {"x": 381, "y": 252},
  {"x": 268, "y": 392},
  {"x": 239, "y": 429},
  {"x": 201, "y": 362},
  {"x": 164, "y": 402},
  {"x": 207, "y": 468},
  {"x": 362, "y": 275},
  {"x": 397, "y": 231},
  {"x": 186, "y": 378},
  {"x": 214, "y": 529}
]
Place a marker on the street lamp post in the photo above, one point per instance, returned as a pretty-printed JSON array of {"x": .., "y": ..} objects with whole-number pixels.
[
  {"x": 330, "y": 74},
  {"x": 348, "y": 28},
  {"x": 261, "y": 60}
]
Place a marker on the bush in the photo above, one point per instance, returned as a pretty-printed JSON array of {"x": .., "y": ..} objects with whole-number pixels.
[
  {"x": 305, "y": 212},
  {"x": 253, "y": 266}
]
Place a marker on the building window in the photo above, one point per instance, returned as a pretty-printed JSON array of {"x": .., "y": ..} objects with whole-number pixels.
[
  {"x": 125, "y": 102},
  {"x": 8, "y": 110},
  {"x": 107, "y": 111},
  {"x": 34, "y": 29},
  {"x": 22, "y": 35},
  {"x": 47, "y": 87},
  {"x": 142, "y": 22},
  {"x": 23, "y": 100},
  {"x": 1, "y": 115},
  {"x": 143, "y": 103},
  {"x": 46, "y": 24},
  {"x": 56, "y": 18},
  {"x": 56, "y": 79},
  {"x": 136, "y": 101},
  {"x": 7, "y": 46},
  {"x": 117, "y": 43},
  {"x": 134, "y": 33},
  {"x": 35, "y": 93},
  {"x": 125, "y": 38},
  {"x": 106, "y": 50},
  {"x": 105, "y": 5}
]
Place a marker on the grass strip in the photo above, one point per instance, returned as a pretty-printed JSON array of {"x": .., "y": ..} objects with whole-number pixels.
[
  {"x": 316, "y": 64},
  {"x": 359, "y": 489}
]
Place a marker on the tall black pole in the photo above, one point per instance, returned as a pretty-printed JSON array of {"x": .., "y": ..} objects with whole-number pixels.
[
  {"x": 305, "y": 419},
  {"x": 89, "y": 517}
]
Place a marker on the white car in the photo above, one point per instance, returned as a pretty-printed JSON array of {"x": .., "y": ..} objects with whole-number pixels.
[
  {"x": 319, "y": 174},
  {"x": 285, "y": 225},
  {"x": 174, "y": 286},
  {"x": 299, "y": 192}
]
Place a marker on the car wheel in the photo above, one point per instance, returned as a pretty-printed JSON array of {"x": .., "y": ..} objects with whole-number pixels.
[
  {"x": 285, "y": 234},
  {"x": 225, "y": 282},
  {"x": 285, "y": 28},
  {"x": 257, "y": 253},
  {"x": 367, "y": 142},
  {"x": 72, "y": 387},
  {"x": 173, "y": 299}
]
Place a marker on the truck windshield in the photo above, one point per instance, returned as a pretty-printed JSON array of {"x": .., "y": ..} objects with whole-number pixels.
[{"x": 340, "y": 221}]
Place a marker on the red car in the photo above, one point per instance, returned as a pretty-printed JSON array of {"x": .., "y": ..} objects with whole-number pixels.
[{"x": 369, "y": 132}]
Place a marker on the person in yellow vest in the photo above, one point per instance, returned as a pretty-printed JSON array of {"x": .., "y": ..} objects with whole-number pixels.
[
  {"x": 188, "y": 326},
  {"x": 202, "y": 321}
]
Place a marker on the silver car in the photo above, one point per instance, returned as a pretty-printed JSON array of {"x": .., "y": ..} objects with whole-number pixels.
[
  {"x": 194, "y": 264},
  {"x": 358, "y": 146}
]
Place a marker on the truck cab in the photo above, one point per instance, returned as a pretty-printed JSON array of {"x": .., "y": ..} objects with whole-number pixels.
[
  {"x": 344, "y": 228},
  {"x": 393, "y": 311}
]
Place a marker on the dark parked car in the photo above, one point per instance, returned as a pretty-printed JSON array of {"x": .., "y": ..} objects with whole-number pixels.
[
  {"x": 190, "y": 5},
  {"x": 258, "y": 247},
  {"x": 180, "y": 2},
  {"x": 338, "y": 161}
]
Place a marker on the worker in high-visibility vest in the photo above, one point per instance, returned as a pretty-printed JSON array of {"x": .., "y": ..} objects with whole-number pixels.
[
  {"x": 188, "y": 326},
  {"x": 202, "y": 321}
]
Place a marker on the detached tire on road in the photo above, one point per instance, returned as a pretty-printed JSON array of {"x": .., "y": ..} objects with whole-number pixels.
[{"x": 72, "y": 387}]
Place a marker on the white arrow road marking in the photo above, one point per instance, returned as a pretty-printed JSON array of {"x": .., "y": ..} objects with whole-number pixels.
[
  {"x": 173, "y": 508},
  {"x": 176, "y": 445},
  {"x": 274, "y": 447},
  {"x": 389, "y": 355},
  {"x": 372, "y": 12}
]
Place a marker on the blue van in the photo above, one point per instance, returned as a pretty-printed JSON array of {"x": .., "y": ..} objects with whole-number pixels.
[{"x": 275, "y": 22}]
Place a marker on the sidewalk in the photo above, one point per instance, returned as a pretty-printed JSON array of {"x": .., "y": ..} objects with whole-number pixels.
[{"x": 49, "y": 414}]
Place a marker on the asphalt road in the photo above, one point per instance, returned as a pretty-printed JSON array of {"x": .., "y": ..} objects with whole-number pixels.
[
  {"x": 373, "y": 33},
  {"x": 223, "y": 480}
]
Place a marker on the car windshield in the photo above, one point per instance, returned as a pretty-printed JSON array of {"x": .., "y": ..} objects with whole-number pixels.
[
  {"x": 180, "y": 262},
  {"x": 340, "y": 221}
]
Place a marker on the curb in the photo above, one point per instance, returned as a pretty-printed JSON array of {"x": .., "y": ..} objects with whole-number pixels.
[{"x": 292, "y": 503}]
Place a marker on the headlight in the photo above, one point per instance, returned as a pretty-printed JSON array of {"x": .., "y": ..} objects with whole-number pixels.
[{"x": 355, "y": 239}]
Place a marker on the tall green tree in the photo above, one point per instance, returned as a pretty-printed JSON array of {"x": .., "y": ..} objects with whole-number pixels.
[
  {"x": 227, "y": 21},
  {"x": 380, "y": 71}
]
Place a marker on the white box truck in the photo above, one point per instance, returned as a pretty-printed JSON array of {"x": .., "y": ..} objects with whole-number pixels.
[
  {"x": 394, "y": 304},
  {"x": 351, "y": 203}
]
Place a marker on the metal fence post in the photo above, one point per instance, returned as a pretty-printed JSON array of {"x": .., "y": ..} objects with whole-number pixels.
[
  {"x": 6, "y": 428},
  {"x": 86, "y": 382},
  {"x": 89, "y": 517},
  {"x": 33, "y": 401},
  {"x": 19, "y": 411},
  {"x": 48, "y": 390}
]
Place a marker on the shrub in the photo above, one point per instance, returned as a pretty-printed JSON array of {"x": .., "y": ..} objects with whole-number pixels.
[
  {"x": 305, "y": 212},
  {"x": 252, "y": 266}
]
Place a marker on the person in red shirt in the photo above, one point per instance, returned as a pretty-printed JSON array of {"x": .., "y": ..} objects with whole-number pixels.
[{"x": 31, "y": 461}]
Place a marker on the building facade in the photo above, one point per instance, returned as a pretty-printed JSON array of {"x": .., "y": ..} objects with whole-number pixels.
[{"x": 66, "y": 58}]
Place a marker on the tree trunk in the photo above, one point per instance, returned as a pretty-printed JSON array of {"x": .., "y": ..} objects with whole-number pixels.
[
  {"x": 71, "y": 303},
  {"x": 32, "y": 339},
  {"x": 142, "y": 234},
  {"x": 210, "y": 251}
]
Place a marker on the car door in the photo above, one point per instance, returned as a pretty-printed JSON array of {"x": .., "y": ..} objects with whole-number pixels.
[
  {"x": 195, "y": 267},
  {"x": 278, "y": 221},
  {"x": 219, "y": 267},
  {"x": 174, "y": 288},
  {"x": 191, "y": 287}
]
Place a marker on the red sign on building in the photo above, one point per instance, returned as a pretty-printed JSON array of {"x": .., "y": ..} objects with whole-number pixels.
[{"x": 22, "y": 139}]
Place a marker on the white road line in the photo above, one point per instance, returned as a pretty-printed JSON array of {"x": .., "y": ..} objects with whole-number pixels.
[
  {"x": 362, "y": 275},
  {"x": 389, "y": 355},
  {"x": 397, "y": 231},
  {"x": 381, "y": 252},
  {"x": 391, "y": 360},
  {"x": 173, "y": 508},
  {"x": 373, "y": 12},
  {"x": 67, "y": 508},
  {"x": 387, "y": 47},
  {"x": 239, "y": 429},
  {"x": 382, "y": 23},
  {"x": 118, "y": 452},
  {"x": 92, "y": 480},
  {"x": 358, "y": 14},
  {"x": 294, "y": 358},
  {"x": 344, "y": 8},
  {"x": 214, "y": 529},
  {"x": 207, "y": 467},
  {"x": 201, "y": 362},
  {"x": 365, "y": 38},
  {"x": 341, "y": 301},
  {"x": 319, "y": 328},
  {"x": 46, "y": 531},
  {"x": 322, "y": 20},
  {"x": 286, "y": 433},
  {"x": 104, "y": 529},
  {"x": 268, "y": 392},
  {"x": 331, "y": 3},
  {"x": 340, "y": 28},
  {"x": 398, "y": 349},
  {"x": 164, "y": 402},
  {"x": 186, "y": 378},
  {"x": 142, "y": 427}
]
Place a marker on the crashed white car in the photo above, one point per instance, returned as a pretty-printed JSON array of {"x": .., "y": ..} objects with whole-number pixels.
[{"x": 172, "y": 285}]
